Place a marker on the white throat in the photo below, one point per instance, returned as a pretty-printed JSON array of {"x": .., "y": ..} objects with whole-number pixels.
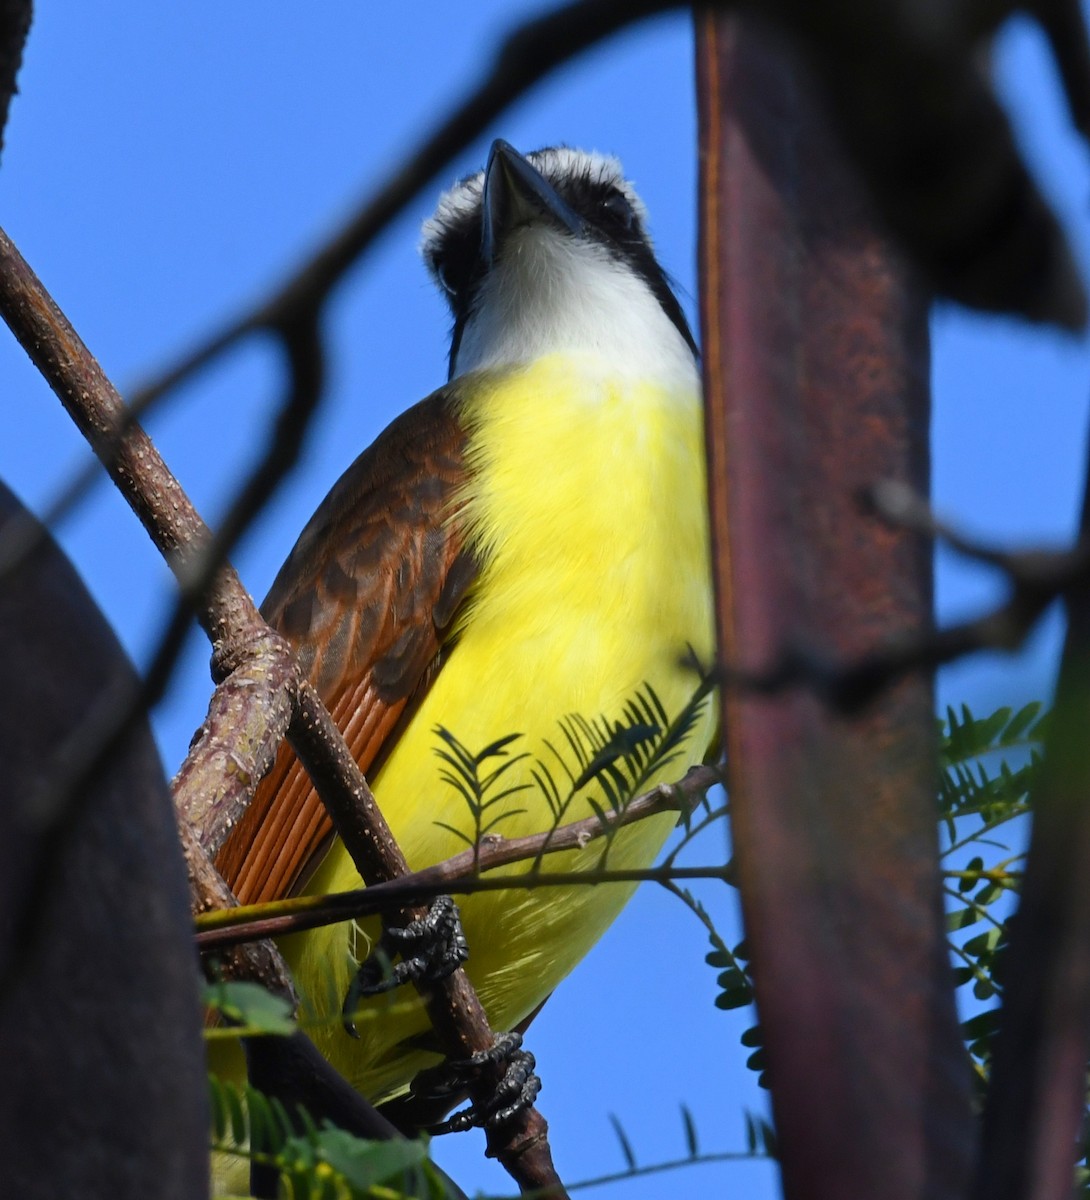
[{"x": 551, "y": 293}]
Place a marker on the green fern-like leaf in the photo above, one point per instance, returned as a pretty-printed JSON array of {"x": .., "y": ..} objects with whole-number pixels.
[
  {"x": 318, "y": 1161},
  {"x": 967, "y": 786},
  {"x": 991, "y": 767},
  {"x": 610, "y": 762}
]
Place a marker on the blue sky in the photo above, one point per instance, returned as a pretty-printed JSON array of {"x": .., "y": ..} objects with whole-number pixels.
[{"x": 165, "y": 163}]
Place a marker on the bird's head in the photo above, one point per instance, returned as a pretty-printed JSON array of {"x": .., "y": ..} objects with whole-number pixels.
[{"x": 549, "y": 253}]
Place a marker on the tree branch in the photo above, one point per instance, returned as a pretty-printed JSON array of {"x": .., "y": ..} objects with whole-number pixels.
[
  {"x": 462, "y": 872},
  {"x": 231, "y": 619}
]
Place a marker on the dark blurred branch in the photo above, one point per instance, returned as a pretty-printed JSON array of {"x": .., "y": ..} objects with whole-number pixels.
[
  {"x": 936, "y": 152},
  {"x": 1063, "y": 23},
  {"x": 223, "y": 607},
  {"x": 1037, "y": 578},
  {"x": 913, "y": 105},
  {"x": 15, "y": 16},
  {"x": 1035, "y": 1109}
]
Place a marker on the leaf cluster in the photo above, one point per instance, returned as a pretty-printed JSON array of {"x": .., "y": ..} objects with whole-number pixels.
[
  {"x": 612, "y": 761},
  {"x": 735, "y": 982},
  {"x": 318, "y": 1162},
  {"x": 989, "y": 767},
  {"x": 977, "y": 778}
]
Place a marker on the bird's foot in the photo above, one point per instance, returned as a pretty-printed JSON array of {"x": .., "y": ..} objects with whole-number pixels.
[
  {"x": 515, "y": 1092},
  {"x": 430, "y": 949}
]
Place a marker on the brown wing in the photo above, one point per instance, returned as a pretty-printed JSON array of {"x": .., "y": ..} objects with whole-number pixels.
[{"x": 367, "y": 597}]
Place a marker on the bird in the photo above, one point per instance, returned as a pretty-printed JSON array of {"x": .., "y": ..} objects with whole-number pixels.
[{"x": 523, "y": 552}]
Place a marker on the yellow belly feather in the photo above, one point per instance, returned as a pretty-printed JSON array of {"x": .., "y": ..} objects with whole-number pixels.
[{"x": 588, "y": 501}]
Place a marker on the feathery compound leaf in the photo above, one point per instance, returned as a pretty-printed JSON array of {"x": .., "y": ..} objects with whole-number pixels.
[
  {"x": 1020, "y": 723},
  {"x": 463, "y": 774},
  {"x": 457, "y": 832},
  {"x": 969, "y": 785},
  {"x": 621, "y": 744},
  {"x": 991, "y": 767},
  {"x": 542, "y": 776},
  {"x": 971, "y": 737},
  {"x": 490, "y": 781},
  {"x": 466, "y": 763}
]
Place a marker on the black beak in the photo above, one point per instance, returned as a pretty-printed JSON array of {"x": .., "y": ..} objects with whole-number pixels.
[{"x": 516, "y": 194}]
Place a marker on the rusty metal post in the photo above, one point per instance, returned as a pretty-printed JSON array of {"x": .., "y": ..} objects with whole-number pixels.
[{"x": 816, "y": 373}]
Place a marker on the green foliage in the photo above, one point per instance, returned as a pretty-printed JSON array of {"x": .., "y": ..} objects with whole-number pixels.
[
  {"x": 617, "y": 760},
  {"x": 463, "y": 771},
  {"x": 989, "y": 769},
  {"x": 976, "y": 779},
  {"x": 613, "y": 761},
  {"x": 735, "y": 983},
  {"x": 248, "y": 1009},
  {"x": 318, "y": 1163}
]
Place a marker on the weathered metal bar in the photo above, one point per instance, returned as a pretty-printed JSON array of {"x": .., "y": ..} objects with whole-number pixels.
[{"x": 816, "y": 373}]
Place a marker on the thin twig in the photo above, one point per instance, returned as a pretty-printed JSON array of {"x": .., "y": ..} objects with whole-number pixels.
[
  {"x": 461, "y": 873},
  {"x": 245, "y": 923}
]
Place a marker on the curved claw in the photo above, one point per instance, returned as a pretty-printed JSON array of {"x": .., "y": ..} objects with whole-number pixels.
[
  {"x": 515, "y": 1092},
  {"x": 431, "y": 948}
]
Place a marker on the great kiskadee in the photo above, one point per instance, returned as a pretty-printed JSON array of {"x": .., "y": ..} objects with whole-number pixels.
[{"x": 527, "y": 543}]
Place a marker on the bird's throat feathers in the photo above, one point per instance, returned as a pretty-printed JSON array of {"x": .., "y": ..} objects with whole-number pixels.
[{"x": 552, "y": 294}]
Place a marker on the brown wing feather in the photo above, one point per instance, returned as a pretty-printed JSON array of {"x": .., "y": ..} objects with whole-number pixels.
[{"x": 367, "y": 597}]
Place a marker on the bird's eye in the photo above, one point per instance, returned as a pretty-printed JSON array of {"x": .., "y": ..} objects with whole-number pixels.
[
  {"x": 445, "y": 275},
  {"x": 617, "y": 208}
]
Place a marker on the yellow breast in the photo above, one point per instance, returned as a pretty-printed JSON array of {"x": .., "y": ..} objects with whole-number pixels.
[{"x": 587, "y": 503}]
